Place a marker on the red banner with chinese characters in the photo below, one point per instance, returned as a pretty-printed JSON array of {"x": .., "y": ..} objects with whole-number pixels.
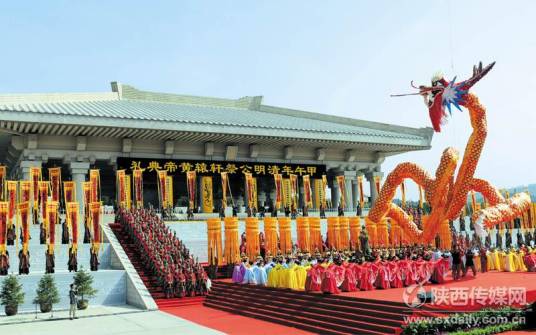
[
  {"x": 342, "y": 191},
  {"x": 278, "y": 179},
  {"x": 3, "y": 174},
  {"x": 3, "y": 225},
  {"x": 377, "y": 181},
  {"x": 162, "y": 188},
  {"x": 121, "y": 188},
  {"x": 72, "y": 222},
  {"x": 191, "y": 188},
  {"x": 94, "y": 179},
  {"x": 294, "y": 190},
  {"x": 43, "y": 197},
  {"x": 52, "y": 219},
  {"x": 307, "y": 194},
  {"x": 24, "y": 212},
  {"x": 12, "y": 200},
  {"x": 35, "y": 177},
  {"x": 69, "y": 191},
  {"x": 361, "y": 193},
  {"x": 137, "y": 175},
  {"x": 95, "y": 214},
  {"x": 25, "y": 190},
  {"x": 54, "y": 175},
  {"x": 224, "y": 183}
]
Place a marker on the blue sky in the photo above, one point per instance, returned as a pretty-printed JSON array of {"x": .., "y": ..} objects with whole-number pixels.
[{"x": 336, "y": 57}]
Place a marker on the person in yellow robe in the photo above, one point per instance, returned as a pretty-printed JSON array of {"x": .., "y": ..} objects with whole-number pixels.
[
  {"x": 502, "y": 259},
  {"x": 510, "y": 261},
  {"x": 274, "y": 274},
  {"x": 301, "y": 276},
  {"x": 289, "y": 277},
  {"x": 520, "y": 261},
  {"x": 491, "y": 260}
]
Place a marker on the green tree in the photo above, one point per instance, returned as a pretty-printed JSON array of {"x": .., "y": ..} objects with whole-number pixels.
[
  {"x": 11, "y": 294},
  {"x": 46, "y": 293},
  {"x": 84, "y": 281}
]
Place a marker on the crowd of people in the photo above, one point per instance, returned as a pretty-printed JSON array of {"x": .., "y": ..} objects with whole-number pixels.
[
  {"x": 368, "y": 269},
  {"x": 164, "y": 255}
]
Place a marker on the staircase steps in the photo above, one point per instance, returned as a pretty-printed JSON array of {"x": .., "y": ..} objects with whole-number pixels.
[
  {"x": 150, "y": 281},
  {"x": 331, "y": 314}
]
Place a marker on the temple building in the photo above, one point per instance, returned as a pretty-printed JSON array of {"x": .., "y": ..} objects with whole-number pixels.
[{"x": 128, "y": 128}]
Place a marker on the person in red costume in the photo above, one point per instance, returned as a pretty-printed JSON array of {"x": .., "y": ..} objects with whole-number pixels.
[
  {"x": 395, "y": 273},
  {"x": 349, "y": 282},
  {"x": 406, "y": 271},
  {"x": 382, "y": 280},
  {"x": 329, "y": 280},
  {"x": 314, "y": 278},
  {"x": 440, "y": 270},
  {"x": 369, "y": 272},
  {"x": 358, "y": 268}
]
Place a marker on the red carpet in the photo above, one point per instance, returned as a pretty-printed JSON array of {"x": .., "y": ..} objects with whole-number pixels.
[{"x": 231, "y": 323}]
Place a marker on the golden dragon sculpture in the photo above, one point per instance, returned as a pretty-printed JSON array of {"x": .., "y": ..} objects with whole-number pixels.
[{"x": 446, "y": 192}]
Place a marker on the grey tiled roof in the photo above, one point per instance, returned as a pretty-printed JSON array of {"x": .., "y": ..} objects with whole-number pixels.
[{"x": 195, "y": 114}]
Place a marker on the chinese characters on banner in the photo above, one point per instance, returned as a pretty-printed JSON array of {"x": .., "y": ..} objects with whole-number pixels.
[{"x": 257, "y": 169}]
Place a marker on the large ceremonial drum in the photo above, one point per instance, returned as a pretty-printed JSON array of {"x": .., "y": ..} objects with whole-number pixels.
[{"x": 302, "y": 227}]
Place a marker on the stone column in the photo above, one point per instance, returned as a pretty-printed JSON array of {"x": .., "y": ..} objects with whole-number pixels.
[
  {"x": 334, "y": 193},
  {"x": 370, "y": 178},
  {"x": 355, "y": 193},
  {"x": 25, "y": 168},
  {"x": 79, "y": 172},
  {"x": 349, "y": 176},
  {"x": 261, "y": 197}
]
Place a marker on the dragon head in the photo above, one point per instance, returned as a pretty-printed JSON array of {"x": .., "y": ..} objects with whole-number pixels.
[{"x": 442, "y": 94}]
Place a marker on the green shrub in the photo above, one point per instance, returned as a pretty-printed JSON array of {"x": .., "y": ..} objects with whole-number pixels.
[
  {"x": 11, "y": 293},
  {"x": 47, "y": 292}
]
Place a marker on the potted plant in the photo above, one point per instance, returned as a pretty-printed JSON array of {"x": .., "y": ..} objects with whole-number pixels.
[
  {"x": 47, "y": 293},
  {"x": 83, "y": 281},
  {"x": 11, "y": 295}
]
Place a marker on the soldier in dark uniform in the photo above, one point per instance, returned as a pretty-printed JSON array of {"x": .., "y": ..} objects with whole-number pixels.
[
  {"x": 11, "y": 235},
  {"x": 287, "y": 211},
  {"x": 24, "y": 262},
  {"x": 222, "y": 212},
  {"x": 322, "y": 212},
  {"x": 519, "y": 238},
  {"x": 359, "y": 211},
  {"x": 4, "y": 263},
  {"x": 87, "y": 234},
  {"x": 94, "y": 259},
  {"x": 42, "y": 233},
  {"x": 64, "y": 232},
  {"x": 49, "y": 261},
  {"x": 508, "y": 239},
  {"x": 235, "y": 211},
  {"x": 72, "y": 263},
  {"x": 363, "y": 240},
  {"x": 340, "y": 211}
]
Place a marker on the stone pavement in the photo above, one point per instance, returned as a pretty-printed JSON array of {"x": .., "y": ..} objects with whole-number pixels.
[{"x": 103, "y": 320}]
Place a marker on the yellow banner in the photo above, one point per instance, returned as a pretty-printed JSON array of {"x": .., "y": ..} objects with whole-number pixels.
[
  {"x": 224, "y": 181},
  {"x": 169, "y": 191},
  {"x": 286, "y": 192},
  {"x": 319, "y": 193},
  {"x": 54, "y": 174},
  {"x": 342, "y": 192},
  {"x": 128, "y": 190},
  {"x": 207, "y": 194},
  {"x": 121, "y": 188},
  {"x": 308, "y": 199},
  {"x": 138, "y": 187}
]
